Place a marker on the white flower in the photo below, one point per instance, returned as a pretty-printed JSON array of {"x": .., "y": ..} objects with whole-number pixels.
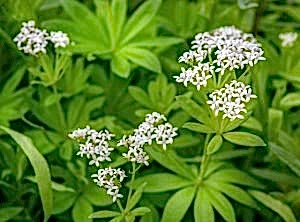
[
  {"x": 59, "y": 39},
  {"x": 93, "y": 144},
  {"x": 110, "y": 179},
  {"x": 288, "y": 38},
  {"x": 231, "y": 100},
  {"x": 164, "y": 134}
]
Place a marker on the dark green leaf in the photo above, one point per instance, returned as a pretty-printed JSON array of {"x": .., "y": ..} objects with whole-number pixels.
[
  {"x": 277, "y": 206},
  {"x": 63, "y": 201},
  {"x": 8, "y": 213},
  {"x": 140, "y": 96},
  {"x": 96, "y": 195}
]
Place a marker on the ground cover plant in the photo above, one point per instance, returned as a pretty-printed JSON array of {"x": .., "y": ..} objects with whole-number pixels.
[{"x": 155, "y": 110}]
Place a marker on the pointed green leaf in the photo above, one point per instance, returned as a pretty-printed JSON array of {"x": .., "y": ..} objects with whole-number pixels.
[
  {"x": 97, "y": 195},
  {"x": 140, "y": 19},
  {"x": 221, "y": 204},
  {"x": 234, "y": 192},
  {"x": 142, "y": 57},
  {"x": 277, "y": 206},
  {"x": 214, "y": 144},
  {"x": 140, "y": 211},
  {"x": 62, "y": 201},
  {"x": 41, "y": 169},
  {"x": 244, "y": 139},
  {"x": 203, "y": 210},
  {"x": 156, "y": 42},
  {"x": 161, "y": 182},
  {"x": 118, "y": 9},
  {"x": 140, "y": 96},
  {"x": 290, "y": 100},
  {"x": 178, "y": 204},
  {"x": 120, "y": 66},
  {"x": 8, "y": 213},
  {"x": 197, "y": 127},
  {"x": 104, "y": 214},
  {"x": 234, "y": 176},
  {"x": 136, "y": 196}
]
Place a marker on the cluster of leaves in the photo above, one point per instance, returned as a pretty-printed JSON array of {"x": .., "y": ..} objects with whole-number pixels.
[{"x": 120, "y": 68}]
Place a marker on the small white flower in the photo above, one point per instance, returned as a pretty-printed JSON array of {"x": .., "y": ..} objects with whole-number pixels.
[
  {"x": 59, "y": 39},
  {"x": 288, "y": 38},
  {"x": 231, "y": 100}
]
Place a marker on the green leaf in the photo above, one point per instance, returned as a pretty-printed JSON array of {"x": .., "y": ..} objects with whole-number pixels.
[
  {"x": 244, "y": 139},
  {"x": 96, "y": 195},
  {"x": 185, "y": 141},
  {"x": 214, "y": 144},
  {"x": 82, "y": 210},
  {"x": 178, "y": 204},
  {"x": 140, "y": 96},
  {"x": 274, "y": 123},
  {"x": 161, "y": 182},
  {"x": 104, "y": 214},
  {"x": 195, "y": 110},
  {"x": 142, "y": 57},
  {"x": 8, "y": 213},
  {"x": 252, "y": 123},
  {"x": 136, "y": 196},
  {"x": 140, "y": 19},
  {"x": 118, "y": 9},
  {"x": 156, "y": 42},
  {"x": 140, "y": 211},
  {"x": 63, "y": 201},
  {"x": 40, "y": 167},
  {"x": 277, "y": 206},
  {"x": 120, "y": 66},
  {"x": 234, "y": 176},
  {"x": 230, "y": 154},
  {"x": 203, "y": 210},
  {"x": 221, "y": 204},
  {"x": 197, "y": 127},
  {"x": 234, "y": 192},
  {"x": 286, "y": 156},
  {"x": 290, "y": 100},
  {"x": 171, "y": 161},
  {"x": 12, "y": 83}
]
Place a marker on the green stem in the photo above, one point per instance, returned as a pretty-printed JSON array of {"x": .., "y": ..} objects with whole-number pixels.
[
  {"x": 131, "y": 181},
  {"x": 120, "y": 205},
  {"x": 205, "y": 158}
]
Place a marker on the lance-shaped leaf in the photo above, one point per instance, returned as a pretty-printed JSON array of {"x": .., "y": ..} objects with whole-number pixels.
[
  {"x": 203, "y": 210},
  {"x": 40, "y": 167},
  {"x": 244, "y": 139}
]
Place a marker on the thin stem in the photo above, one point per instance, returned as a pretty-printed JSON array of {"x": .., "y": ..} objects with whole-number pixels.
[
  {"x": 205, "y": 158},
  {"x": 131, "y": 181},
  {"x": 120, "y": 205}
]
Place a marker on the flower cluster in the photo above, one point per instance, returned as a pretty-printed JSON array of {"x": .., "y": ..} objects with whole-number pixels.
[
  {"x": 94, "y": 145},
  {"x": 231, "y": 100},
  {"x": 225, "y": 48},
  {"x": 110, "y": 179},
  {"x": 288, "y": 38},
  {"x": 153, "y": 128},
  {"x": 33, "y": 41}
]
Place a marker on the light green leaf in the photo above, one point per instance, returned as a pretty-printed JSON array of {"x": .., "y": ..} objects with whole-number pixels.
[
  {"x": 161, "y": 182},
  {"x": 140, "y": 211},
  {"x": 286, "y": 156},
  {"x": 12, "y": 83},
  {"x": 274, "y": 123},
  {"x": 234, "y": 176},
  {"x": 82, "y": 210},
  {"x": 230, "y": 154},
  {"x": 40, "y": 167},
  {"x": 63, "y": 201},
  {"x": 234, "y": 192},
  {"x": 290, "y": 100},
  {"x": 120, "y": 66},
  {"x": 214, "y": 144},
  {"x": 136, "y": 196},
  {"x": 156, "y": 42},
  {"x": 252, "y": 123},
  {"x": 244, "y": 139},
  {"x": 221, "y": 204},
  {"x": 178, "y": 204},
  {"x": 140, "y": 19},
  {"x": 118, "y": 9},
  {"x": 140, "y": 96},
  {"x": 197, "y": 127},
  {"x": 8, "y": 213},
  {"x": 203, "y": 210},
  {"x": 277, "y": 206},
  {"x": 142, "y": 57},
  {"x": 104, "y": 214}
]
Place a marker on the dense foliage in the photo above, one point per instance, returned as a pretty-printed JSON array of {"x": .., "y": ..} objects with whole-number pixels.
[{"x": 155, "y": 110}]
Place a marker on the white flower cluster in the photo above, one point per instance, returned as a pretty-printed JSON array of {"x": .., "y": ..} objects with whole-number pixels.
[
  {"x": 110, "y": 179},
  {"x": 94, "y": 145},
  {"x": 151, "y": 129},
  {"x": 33, "y": 41},
  {"x": 231, "y": 100},
  {"x": 225, "y": 48},
  {"x": 288, "y": 38}
]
